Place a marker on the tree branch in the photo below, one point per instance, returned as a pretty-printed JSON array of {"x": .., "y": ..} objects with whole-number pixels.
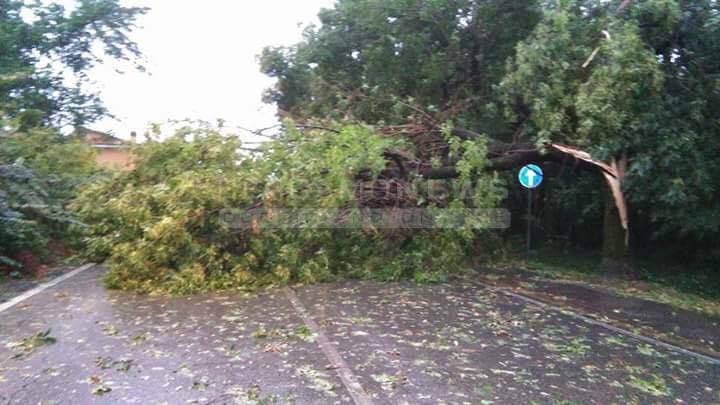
[{"x": 508, "y": 156}]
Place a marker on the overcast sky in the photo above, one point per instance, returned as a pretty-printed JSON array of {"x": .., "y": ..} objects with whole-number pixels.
[{"x": 201, "y": 61}]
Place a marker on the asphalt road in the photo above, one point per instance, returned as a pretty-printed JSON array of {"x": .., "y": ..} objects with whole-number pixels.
[{"x": 338, "y": 343}]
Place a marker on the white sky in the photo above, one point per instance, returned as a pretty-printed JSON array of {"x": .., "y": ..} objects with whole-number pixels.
[{"x": 201, "y": 62}]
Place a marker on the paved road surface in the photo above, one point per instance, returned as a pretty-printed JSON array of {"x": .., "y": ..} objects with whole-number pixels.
[{"x": 389, "y": 343}]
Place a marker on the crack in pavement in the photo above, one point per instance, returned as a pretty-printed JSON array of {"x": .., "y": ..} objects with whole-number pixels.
[{"x": 348, "y": 378}]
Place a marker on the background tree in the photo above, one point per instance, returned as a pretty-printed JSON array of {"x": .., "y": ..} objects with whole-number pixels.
[
  {"x": 46, "y": 51},
  {"x": 644, "y": 95},
  {"x": 374, "y": 60}
]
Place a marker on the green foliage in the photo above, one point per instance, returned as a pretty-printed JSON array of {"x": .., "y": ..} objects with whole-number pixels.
[
  {"x": 646, "y": 94},
  {"x": 374, "y": 60},
  {"x": 652, "y": 384},
  {"x": 39, "y": 172},
  {"x": 49, "y": 154},
  {"x": 639, "y": 82},
  {"x": 41, "y": 45},
  {"x": 161, "y": 228},
  {"x": 33, "y": 33},
  {"x": 545, "y": 75},
  {"x": 28, "y": 345},
  {"x": 21, "y": 194}
]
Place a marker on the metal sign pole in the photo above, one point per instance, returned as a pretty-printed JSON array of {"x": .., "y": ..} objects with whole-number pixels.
[
  {"x": 529, "y": 220},
  {"x": 530, "y": 176}
]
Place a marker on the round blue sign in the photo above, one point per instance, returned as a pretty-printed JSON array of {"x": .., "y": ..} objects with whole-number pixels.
[{"x": 530, "y": 176}]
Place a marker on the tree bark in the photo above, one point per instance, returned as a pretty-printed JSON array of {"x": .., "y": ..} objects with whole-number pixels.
[{"x": 615, "y": 249}]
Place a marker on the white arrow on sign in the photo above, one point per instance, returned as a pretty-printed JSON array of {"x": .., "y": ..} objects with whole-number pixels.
[{"x": 530, "y": 173}]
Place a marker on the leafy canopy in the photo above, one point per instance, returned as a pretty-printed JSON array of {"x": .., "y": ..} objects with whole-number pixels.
[
  {"x": 39, "y": 172},
  {"x": 374, "y": 60},
  {"x": 648, "y": 93},
  {"x": 42, "y": 43}
]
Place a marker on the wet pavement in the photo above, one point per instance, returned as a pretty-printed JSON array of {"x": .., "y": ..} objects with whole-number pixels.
[
  {"x": 697, "y": 331},
  {"x": 12, "y": 287},
  {"x": 403, "y": 343}
]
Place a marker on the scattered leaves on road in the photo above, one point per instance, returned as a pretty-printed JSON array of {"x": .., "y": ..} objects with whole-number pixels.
[{"x": 28, "y": 345}]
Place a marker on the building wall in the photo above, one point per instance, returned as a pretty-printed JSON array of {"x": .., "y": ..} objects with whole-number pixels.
[{"x": 115, "y": 158}]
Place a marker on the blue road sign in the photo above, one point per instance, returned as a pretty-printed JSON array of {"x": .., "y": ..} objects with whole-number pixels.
[{"x": 530, "y": 176}]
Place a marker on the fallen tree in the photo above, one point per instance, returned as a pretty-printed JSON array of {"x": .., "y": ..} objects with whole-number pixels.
[
  {"x": 162, "y": 227},
  {"x": 632, "y": 81},
  {"x": 294, "y": 202}
]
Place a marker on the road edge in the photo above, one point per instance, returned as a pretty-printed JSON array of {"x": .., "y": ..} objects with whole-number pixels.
[
  {"x": 616, "y": 329},
  {"x": 42, "y": 287}
]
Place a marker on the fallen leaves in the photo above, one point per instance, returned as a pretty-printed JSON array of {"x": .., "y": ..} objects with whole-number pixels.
[
  {"x": 29, "y": 344},
  {"x": 275, "y": 347},
  {"x": 101, "y": 390},
  {"x": 200, "y": 385},
  {"x": 653, "y": 384},
  {"x": 304, "y": 333},
  {"x": 140, "y": 338},
  {"x": 118, "y": 365},
  {"x": 109, "y": 329},
  {"x": 317, "y": 380},
  {"x": 390, "y": 382}
]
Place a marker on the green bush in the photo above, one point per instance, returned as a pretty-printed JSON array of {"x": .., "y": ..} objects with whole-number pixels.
[
  {"x": 161, "y": 229},
  {"x": 21, "y": 195},
  {"x": 39, "y": 173}
]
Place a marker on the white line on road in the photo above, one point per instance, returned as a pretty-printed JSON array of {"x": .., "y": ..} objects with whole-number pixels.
[
  {"x": 346, "y": 375},
  {"x": 605, "y": 325},
  {"x": 42, "y": 287}
]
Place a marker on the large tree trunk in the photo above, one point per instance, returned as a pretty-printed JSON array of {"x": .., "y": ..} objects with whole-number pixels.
[
  {"x": 614, "y": 247},
  {"x": 615, "y": 252}
]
